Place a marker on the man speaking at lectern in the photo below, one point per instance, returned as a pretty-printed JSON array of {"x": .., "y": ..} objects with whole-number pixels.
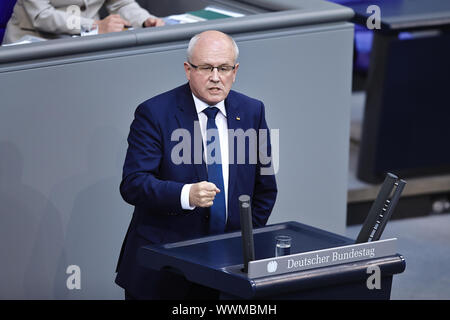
[{"x": 198, "y": 196}]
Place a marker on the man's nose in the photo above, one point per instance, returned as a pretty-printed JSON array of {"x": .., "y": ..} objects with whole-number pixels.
[{"x": 215, "y": 75}]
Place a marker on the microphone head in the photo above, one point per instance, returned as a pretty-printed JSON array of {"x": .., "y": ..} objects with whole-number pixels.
[{"x": 244, "y": 199}]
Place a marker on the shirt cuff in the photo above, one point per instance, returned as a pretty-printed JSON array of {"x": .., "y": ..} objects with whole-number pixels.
[
  {"x": 88, "y": 28},
  {"x": 185, "y": 197}
]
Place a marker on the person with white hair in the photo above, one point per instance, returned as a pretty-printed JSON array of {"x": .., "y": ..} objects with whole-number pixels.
[{"x": 184, "y": 194}]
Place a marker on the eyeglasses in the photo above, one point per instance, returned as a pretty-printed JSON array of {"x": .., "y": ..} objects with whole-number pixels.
[{"x": 207, "y": 69}]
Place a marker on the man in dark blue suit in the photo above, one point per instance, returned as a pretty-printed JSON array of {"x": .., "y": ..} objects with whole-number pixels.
[{"x": 192, "y": 152}]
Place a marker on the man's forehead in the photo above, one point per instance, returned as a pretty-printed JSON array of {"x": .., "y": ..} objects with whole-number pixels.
[
  {"x": 210, "y": 43},
  {"x": 213, "y": 35},
  {"x": 214, "y": 50}
]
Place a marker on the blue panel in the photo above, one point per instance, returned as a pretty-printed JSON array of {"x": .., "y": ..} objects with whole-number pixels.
[
  {"x": 6, "y": 8},
  {"x": 363, "y": 47},
  {"x": 2, "y": 33},
  {"x": 363, "y": 40}
]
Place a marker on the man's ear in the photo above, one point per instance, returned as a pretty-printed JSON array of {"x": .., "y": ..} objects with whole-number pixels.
[
  {"x": 187, "y": 70},
  {"x": 236, "y": 67}
]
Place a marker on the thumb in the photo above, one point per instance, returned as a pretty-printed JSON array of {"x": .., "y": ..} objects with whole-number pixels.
[{"x": 212, "y": 187}]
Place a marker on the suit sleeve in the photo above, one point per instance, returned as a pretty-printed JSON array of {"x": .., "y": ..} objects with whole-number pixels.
[
  {"x": 265, "y": 189},
  {"x": 129, "y": 10},
  {"x": 140, "y": 185},
  {"x": 44, "y": 17}
]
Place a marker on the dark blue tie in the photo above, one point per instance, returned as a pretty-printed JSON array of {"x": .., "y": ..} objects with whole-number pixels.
[{"x": 217, "y": 210}]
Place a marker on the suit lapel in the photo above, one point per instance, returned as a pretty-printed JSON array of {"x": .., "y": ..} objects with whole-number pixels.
[
  {"x": 233, "y": 124},
  {"x": 187, "y": 118}
]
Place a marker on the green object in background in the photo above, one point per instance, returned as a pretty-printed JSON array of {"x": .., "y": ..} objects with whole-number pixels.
[{"x": 208, "y": 15}]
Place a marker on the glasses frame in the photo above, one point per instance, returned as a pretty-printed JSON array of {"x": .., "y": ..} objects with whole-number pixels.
[{"x": 212, "y": 68}]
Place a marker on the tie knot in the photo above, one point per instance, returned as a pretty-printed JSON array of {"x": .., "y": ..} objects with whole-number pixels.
[{"x": 211, "y": 112}]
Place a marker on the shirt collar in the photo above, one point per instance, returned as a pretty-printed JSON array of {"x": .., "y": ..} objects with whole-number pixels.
[{"x": 200, "y": 105}]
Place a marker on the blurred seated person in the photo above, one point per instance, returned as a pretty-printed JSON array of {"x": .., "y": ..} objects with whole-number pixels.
[{"x": 51, "y": 19}]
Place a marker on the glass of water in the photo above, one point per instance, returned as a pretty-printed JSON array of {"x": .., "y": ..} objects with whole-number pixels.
[{"x": 283, "y": 245}]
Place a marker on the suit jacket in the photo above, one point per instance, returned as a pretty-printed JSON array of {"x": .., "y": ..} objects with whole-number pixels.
[
  {"x": 48, "y": 18},
  {"x": 152, "y": 183}
]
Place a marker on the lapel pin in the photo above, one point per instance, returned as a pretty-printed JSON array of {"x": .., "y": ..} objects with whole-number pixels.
[{"x": 237, "y": 118}]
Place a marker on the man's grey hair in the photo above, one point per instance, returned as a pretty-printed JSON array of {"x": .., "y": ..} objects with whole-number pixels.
[{"x": 194, "y": 40}]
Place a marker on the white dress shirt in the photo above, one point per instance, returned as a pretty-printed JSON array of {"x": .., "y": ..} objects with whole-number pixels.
[{"x": 222, "y": 126}]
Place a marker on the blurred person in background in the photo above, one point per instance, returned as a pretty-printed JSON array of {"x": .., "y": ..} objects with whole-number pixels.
[{"x": 52, "y": 19}]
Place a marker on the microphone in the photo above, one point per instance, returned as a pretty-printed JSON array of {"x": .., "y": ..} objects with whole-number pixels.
[
  {"x": 248, "y": 247},
  {"x": 382, "y": 209}
]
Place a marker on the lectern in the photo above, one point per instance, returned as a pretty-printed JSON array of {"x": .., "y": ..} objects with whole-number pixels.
[{"x": 322, "y": 265}]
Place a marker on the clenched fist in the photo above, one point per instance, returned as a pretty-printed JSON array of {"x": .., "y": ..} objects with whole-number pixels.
[{"x": 202, "y": 194}]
